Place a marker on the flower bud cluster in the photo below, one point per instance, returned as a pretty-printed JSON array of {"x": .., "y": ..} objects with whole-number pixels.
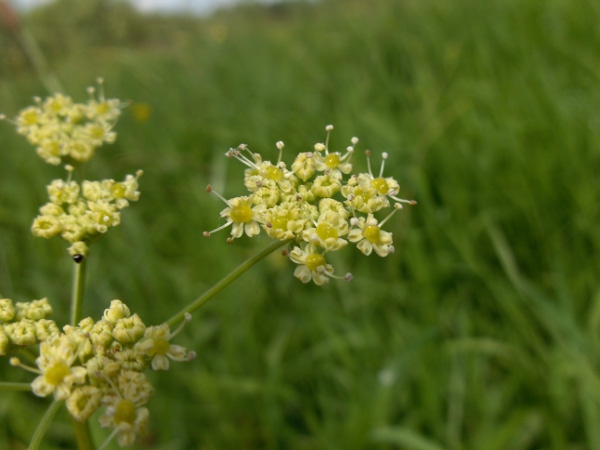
[
  {"x": 65, "y": 131},
  {"x": 103, "y": 362},
  {"x": 25, "y": 323},
  {"x": 80, "y": 213},
  {"x": 318, "y": 203}
]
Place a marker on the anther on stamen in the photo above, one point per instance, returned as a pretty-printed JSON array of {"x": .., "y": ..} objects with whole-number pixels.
[
  {"x": 206, "y": 234},
  {"x": 208, "y": 188}
]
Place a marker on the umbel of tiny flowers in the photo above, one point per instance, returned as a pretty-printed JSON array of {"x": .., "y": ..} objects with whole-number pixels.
[
  {"x": 318, "y": 204},
  {"x": 81, "y": 213},
  {"x": 25, "y": 323},
  {"x": 64, "y": 131},
  {"x": 96, "y": 363}
]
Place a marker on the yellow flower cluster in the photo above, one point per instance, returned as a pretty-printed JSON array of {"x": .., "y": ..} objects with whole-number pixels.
[
  {"x": 69, "y": 132},
  {"x": 80, "y": 213},
  {"x": 65, "y": 131},
  {"x": 24, "y": 323},
  {"x": 102, "y": 363},
  {"x": 318, "y": 204}
]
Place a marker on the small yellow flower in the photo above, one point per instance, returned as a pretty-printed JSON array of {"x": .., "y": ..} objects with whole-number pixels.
[
  {"x": 129, "y": 330},
  {"x": 7, "y": 310},
  {"x": 84, "y": 401},
  {"x": 241, "y": 215},
  {"x": 157, "y": 346},
  {"x": 328, "y": 230},
  {"x": 304, "y": 166},
  {"x": 126, "y": 415},
  {"x": 326, "y": 186},
  {"x": 34, "y": 310},
  {"x": 288, "y": 219},
  {"x": 369, "y": 236},
  {"x": 57, "y": 374},
  {"x": 46, "y": 329},
  {"x": 22, "y": 332},
  {"x": 312, "y": 265},
  {"x": 117, "y": 310},
  {"x": 130, "y": 359},
  {"x": 47, "y": 226},
  {"x": 101, "y": 333}
]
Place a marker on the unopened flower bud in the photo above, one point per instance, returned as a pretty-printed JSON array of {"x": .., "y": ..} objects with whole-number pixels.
[
  {"x": 21, "y": 333},
  {"x": 129, "y": 329},
  {"x": 117, "y": 310},
  {"x": 7, "y": 310}
]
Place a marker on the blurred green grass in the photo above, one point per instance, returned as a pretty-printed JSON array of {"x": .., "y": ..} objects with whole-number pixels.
[{"x": 481, "y": 332}]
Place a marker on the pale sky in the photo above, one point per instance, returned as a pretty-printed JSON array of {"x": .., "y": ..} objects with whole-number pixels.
[{"x": 196, "y": 6}]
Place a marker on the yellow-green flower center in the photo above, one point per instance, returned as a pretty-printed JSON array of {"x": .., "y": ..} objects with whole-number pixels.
[
  {"x": 125, "y": 412},
  {"x": 57, "y": 373},
  {"x": 315, "y": 260},
  {"x": 381, "y": 185},
  {"x": 161, "y": 346},
  {"x": 30, "y": 117},
  {"x": 96, "y": 131},
  {"x": 325, "y": 231},
  {"x": 371, "y": 234},
  {"x": 118, "y": 190},
  {"x": 280, "y": 222},
  {"x": 102, "y": 108},
  {"x": 273, "y": 173},
  {"x": 241, "y": 213},
  {"x": 332, "y": 160}
]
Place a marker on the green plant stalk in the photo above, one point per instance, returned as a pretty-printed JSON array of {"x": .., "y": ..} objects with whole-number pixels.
[
  {"x": 9, "y": 386},
  {"x": 83, "y": 435},
  {"x": 38, "y": 61},
  {"x": 237, "y": 272},
  {"x": 82, "y": 430},
  {"x": 36, "y": 440},
  {"x": 78, "y": 290}
]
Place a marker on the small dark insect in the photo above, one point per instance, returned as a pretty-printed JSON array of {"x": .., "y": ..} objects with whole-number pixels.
[{"x": 78, "y": 258}]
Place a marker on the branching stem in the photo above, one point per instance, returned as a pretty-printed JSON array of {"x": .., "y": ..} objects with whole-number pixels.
[{"x": 237, "y": 272}]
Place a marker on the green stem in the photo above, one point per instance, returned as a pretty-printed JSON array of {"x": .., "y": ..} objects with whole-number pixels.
[
  {"x": 77, "y": 293},
  {"x": 82, "y": 435},
  {"x": 8, "y": 386},
  {"x": 82, "y": 429},
  {"x": 36, "y": 440},
  {"x": 36, "y": 57},
  {"x": 238, "y": 271}
]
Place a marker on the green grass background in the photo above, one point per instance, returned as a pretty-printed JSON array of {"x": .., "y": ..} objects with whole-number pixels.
[{"x": 481, "y": 332}]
